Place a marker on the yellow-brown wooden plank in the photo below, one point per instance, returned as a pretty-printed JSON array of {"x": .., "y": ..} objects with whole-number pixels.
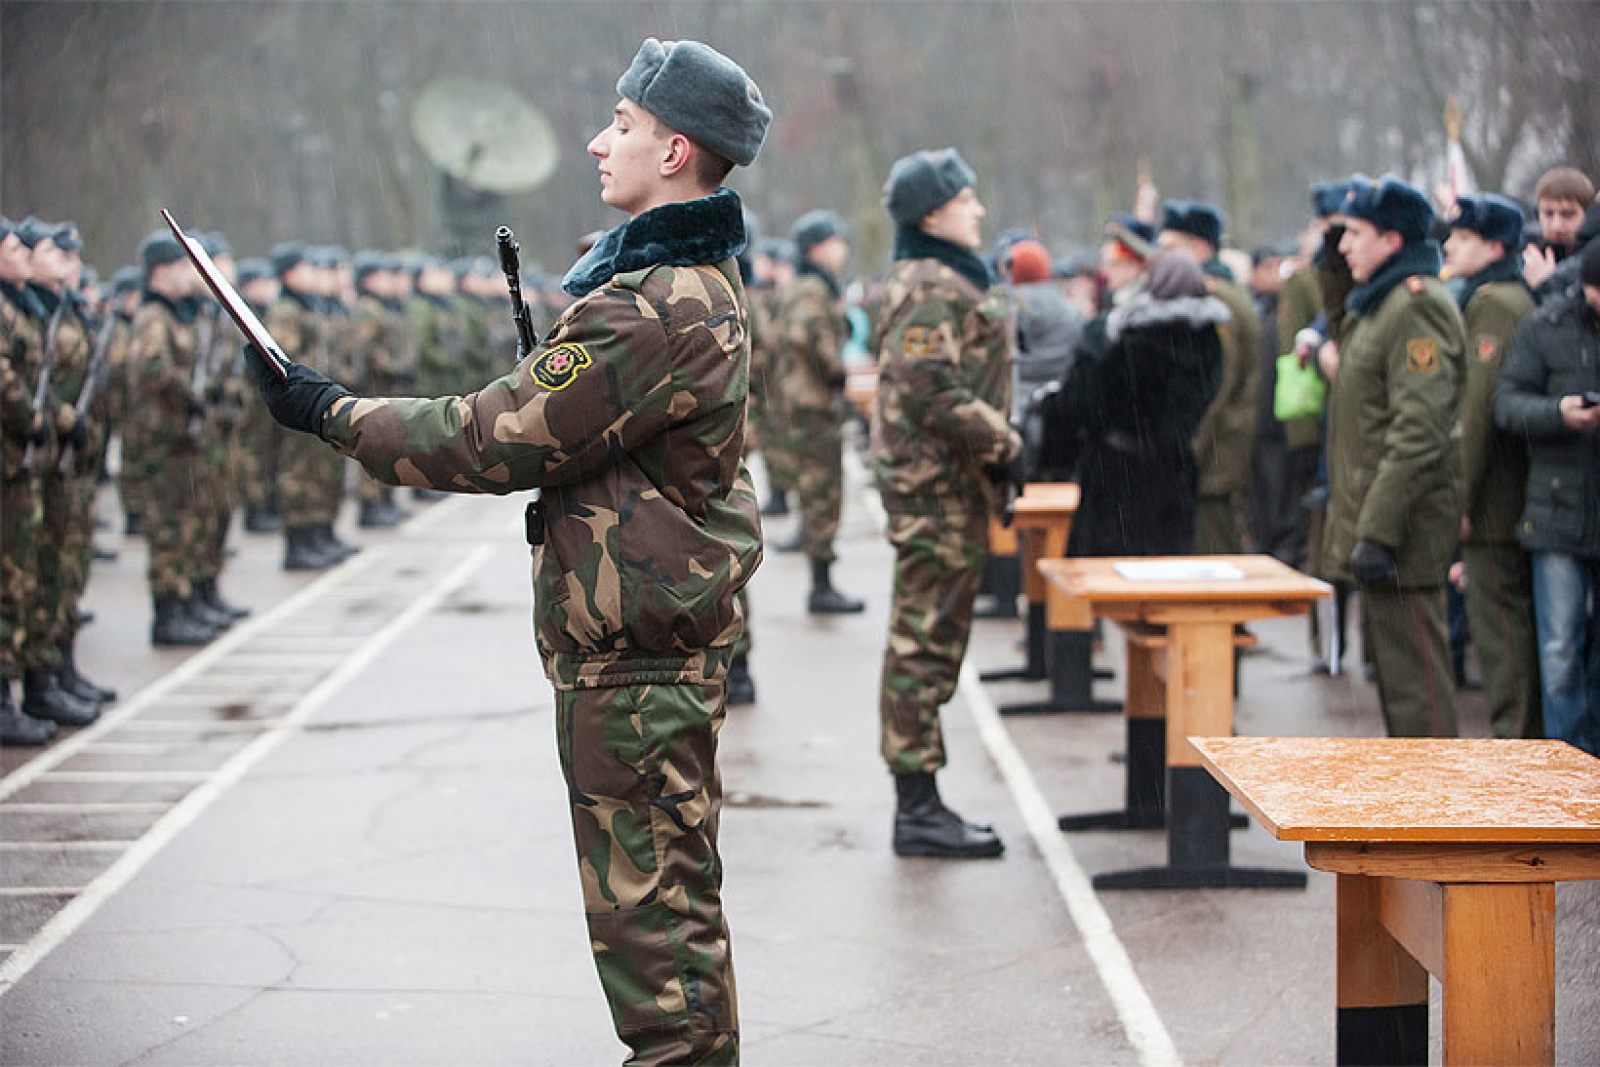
[{"x": 1499, "y": 974}]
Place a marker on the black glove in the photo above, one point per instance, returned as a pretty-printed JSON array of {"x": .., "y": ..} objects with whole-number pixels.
[
  {"x": 79, "y": 434},
  {"x": 1372, "y": 563},
  {"x": 38, "y": 433},
  {"x": 298, "y": 401},
  {"x": 1010, "y": 479}
]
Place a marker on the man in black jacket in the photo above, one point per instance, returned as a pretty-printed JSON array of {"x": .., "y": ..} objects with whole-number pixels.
[{"x": 1549, "y": 393}]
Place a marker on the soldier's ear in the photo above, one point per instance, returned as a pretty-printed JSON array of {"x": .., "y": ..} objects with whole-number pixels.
[{"x": 678, "y": 155}]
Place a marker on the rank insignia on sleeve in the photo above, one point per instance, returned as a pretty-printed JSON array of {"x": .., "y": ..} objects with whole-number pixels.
[
  {"x": 1487, "y": 347},
  {"x": 1422, "y": 355},
  {"x": 556, "y": 367},
  {"x": 917, "y": 341}
]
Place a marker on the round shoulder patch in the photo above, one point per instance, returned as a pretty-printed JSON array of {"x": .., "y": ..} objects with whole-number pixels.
[
  {"x": 1422, "y": 355},
  {"x": 557, "y": 366}
]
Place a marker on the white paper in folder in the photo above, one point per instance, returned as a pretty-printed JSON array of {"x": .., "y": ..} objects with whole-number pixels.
[{"x": 1178, "y": 570}]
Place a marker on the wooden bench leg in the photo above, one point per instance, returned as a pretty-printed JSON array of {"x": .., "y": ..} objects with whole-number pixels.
[
  {"x": 1382, "y": 989},
  {"x": 1499, "y": 973}
]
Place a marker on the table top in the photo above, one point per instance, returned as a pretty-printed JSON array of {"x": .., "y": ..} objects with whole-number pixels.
[
  {"x": 1041, "y": 498},
  {"x": 1410, "y": 789},
  {"x": 1265, "y": 579}
]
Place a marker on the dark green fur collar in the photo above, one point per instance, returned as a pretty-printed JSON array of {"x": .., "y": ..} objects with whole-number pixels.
[{"x": 708, "y": 230}]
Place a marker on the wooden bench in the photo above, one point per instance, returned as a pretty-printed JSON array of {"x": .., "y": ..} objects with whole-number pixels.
[
  {"x": 1447, "y": 853},
  {"x": 1180, "y": 682}
]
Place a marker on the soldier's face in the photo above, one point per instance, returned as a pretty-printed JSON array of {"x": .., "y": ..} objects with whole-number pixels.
[
  {"x": 1559, "y": 221},
  {"x": 1466, "y": 253},
  {"x": 831, "y": 255},
  {"x": 959, "y": 220},
  {"x": 49, "y": 263},
  {"x": 632, "y": 152},
  {"x": 1366, "y": 248},
  {"x": 16, "y": 264}
]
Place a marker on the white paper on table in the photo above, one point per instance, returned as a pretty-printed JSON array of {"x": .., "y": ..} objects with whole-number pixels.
[{"x": 1178, "y": 570}]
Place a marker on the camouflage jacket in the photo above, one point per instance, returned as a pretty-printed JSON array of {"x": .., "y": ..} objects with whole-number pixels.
[
  {"x": 21, "y": 358},
  {"x": 630, "y": 418},
  {"x": 441, "y": 344},
  {"x": 296, "y": 323},
  {"x": 806, "y": 375},
  {"x": 380, "y": 333},
  {"x": 944, "y": 389},
  {"x": 342, "y": 331},
  {"x": 1494, "y": 464},
  {"x": 1225, "y": 441},
  {"x": 162, "y": 354}
]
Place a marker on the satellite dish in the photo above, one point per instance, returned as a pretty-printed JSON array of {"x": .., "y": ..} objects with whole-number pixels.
[{"x": 484, "y": 134}]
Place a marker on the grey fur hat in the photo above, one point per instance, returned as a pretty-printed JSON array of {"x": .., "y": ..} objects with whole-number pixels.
[
  {"x": 158, "y": 249},
  {"x": 923, "y": 182},
  {"x": 815, "y": 227},
  {"x": 702, "y": 94}
]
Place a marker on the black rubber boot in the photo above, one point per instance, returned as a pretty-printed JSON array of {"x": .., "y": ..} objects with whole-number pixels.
[
  {"x": 741, "y": 687},
  {"x": 825, "y": 599},
  {"x": 76, "y": 684},
  {"x": 205, "y": 614},
  {"x": 43, "y": 698},
  {"x": 212, "y": 596},
  {"x": 19, "y": 730},
  {"x": 260, "y": 520},
  {"x": 376, "y": 515},
  {"x": 329, "y": 542},
  {"x": 301, "y": 552},
  {"x": 777, "y": 503},
  {"x": 427, "y": 496},
  {"x": 133, "y": 525},
  {"x": 923, "y": 826},
  {"x": 393, "y": 507},
  {"x": 174, "y": 626}
]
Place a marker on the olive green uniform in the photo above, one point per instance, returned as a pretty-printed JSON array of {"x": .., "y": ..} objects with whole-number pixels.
[
  {"x": 1392, "y": 464},
  {"x": 1225, "y": 441},
  {"x": 1494, "y": 472}
]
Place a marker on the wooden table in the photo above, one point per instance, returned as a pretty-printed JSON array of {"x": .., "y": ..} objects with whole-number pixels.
[
  {"x": 1180, "y": 683},
  {"x": 1447, "y": 853},
  {"x": 1043, "y": 517}
]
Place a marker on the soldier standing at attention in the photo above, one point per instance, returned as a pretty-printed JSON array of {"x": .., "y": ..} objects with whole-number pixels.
[
  {"x": 808, "y": 372},
  {"x": 773, "y": 271},
  {"x": 260, "y": 437},
  {"x": 1485, "y": 234},
  {"x": 1395, "y": 511},
  {"x": 380, "y": 322},
  {"x": 630, "y": 417},
  {"x": 939, "y": 438},
  {"x": 1226, "y": 438}
]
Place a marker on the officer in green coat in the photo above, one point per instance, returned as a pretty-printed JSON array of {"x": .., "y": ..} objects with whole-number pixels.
[
  {"x": 1225, "y": 441},
  {"x": 1485, "y": 233},
  {"x": 1395, "y": 507},
  {"x": 630, "y": 417}
]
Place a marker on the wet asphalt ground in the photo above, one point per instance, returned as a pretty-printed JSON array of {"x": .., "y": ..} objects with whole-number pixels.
[{"x": 339, "y": 836}]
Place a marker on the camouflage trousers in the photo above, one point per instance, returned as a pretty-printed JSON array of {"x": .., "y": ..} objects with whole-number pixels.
[
  {"x": 67, "y": 527},
  {"x": 216, "y": 498},
  {"x": 816, "y": 443},
  {"x": 21, "y": 517},
  {"x": 939, "y": 562},
  {"x": 175, "y": 523},
  {"x": 310, "y": 479},
  {"x": 77, "y": 549},
  {"x": 132, "y": 483},
  {"x": 260, "y": 441},
  {"x": 777, "y": 449},
  {"x": 641, "y": 771}
]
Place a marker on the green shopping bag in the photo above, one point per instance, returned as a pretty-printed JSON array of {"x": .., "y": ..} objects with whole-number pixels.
[{"x": 1300, "y": 390}]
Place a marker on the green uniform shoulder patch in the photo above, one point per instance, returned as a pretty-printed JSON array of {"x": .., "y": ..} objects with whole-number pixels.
[
  {"x": 556, "y": 367},
  {"x": 1422, "y": 355},
  {"x": 1487, "y": 346},
  {"x": 918, "y": 341}
]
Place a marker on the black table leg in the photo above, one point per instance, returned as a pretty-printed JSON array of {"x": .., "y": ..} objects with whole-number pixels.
[
  {"x": 1071, "y": 678},
  {"x": 1034, "y": 670},
  {"x": 1002, "y": 579},
  {"x": 1394, "y": 1034}
]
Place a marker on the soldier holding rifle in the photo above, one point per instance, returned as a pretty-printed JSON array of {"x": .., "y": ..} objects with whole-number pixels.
[{"x": 630, "y": 418}]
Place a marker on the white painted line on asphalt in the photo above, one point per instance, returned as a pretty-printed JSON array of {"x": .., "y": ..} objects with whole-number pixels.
[
  {"x": 187, "y": 810},
  {"x": 45, "y": 807},
  {"x": 189, "y": 669},
  {"x": 40, "y": 891},
  {"x": 124, "y": 776},
  {"x": 1137, "y": 1011},
  {"x": 63, "y": 846}
]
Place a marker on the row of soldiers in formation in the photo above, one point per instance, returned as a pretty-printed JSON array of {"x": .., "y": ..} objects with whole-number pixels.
[{"x": 148, "y": 358}]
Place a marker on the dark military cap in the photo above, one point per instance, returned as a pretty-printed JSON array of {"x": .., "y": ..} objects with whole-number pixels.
[
  {"x": 815, "y": 227},
  {"x": 215, "y": 244},
  {"x": 88, "y": 277},
  {"x": 1195, "y": 219},
  {"x": 485, "y": 266},
  {"x": 287, "y": 256},
  {"x": 1494, "y": 218},
  {"x": 254, "y": 269},
  {"x": 1133, "y": 234},
  {"x": 30, "y": 231},
  {"x": 335, "y": 256},
  {"x": 702, "y": 94},
  {"x": 1328, "y": 197},
  {"x": 461, "y": 267},
  {"x": 7, "y": 227},
  {"x": 158, "y": 249},
  {"x": 923, "y": 182},
  {"x": 67, "y": 237},
  {"x": 124, "y": 280},
  {"x": 367, "y": 263},
  {"x": 1392, "y": 204},
  {"x": 776, "y": 248}
]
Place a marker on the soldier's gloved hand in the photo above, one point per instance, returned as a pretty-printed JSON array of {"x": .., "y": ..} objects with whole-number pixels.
[
  {"x": 79, "y": 434},
  {"x": 1372, "y": 563},
  {"x": 298, "y": 401},
  {"x": 66, "y": 420},
  {"x": 39, "y": 430}
]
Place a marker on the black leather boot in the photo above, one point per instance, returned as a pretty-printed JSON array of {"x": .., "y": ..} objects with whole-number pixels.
[
  {"x": 741, "y": 687},
  {"x": 212, "y": 596},
  {"x": 825, "y": 599},
  {"x": 174, "y": 626},
  {"x": 133, "y": 525},
  {"x": 75, "y": 683},
  {"x": 777, "y": 503},
  {"x": 923, "y": 826},
  {"x": 260, "y": 520},
  {"x": 43, "y": 698},
  {"x": 301, "y": 552},
  {"x": 374, "y": 515},
  {"x": 329, "y": 542},
  {"x": 205, "y": 614},
  {"x": 17, "y": 729}
]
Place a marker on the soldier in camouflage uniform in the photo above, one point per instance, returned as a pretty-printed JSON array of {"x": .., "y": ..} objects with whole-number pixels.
[
  {"x": 805, "y": 382},
  {"x": 260, "y": 436},
  {"x": 630, "y": 417},
  {"x": 336, "y": 319},
  {"x": 381, "y": 343},
  {"x": 1226, "y": 439},
  {"x": 1482, "y": 251},
  {"x": 939, "y": 436},
  {"x": 1395, "y": 512},
  {"x": 773, "y": 268},
  {"x": 22, "y": 323}
]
